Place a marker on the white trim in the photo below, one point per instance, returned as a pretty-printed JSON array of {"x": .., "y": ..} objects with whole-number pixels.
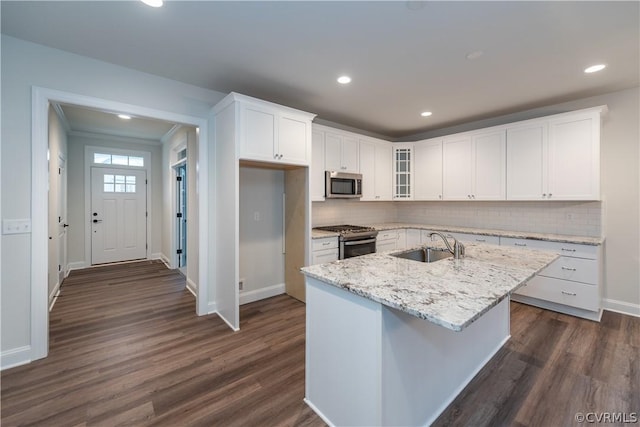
[
  {"x": 63, "y": 118},
  {"x": 622, "y": 307},
  {"x": 167, "y": 136},
  {"x": 41, "y": 97},
  {"x": 318, "y": 412},
  {"x": 53, "y": 295},
  {"x": 76, "y": 265},
  {"x": 192, "y": 287},
  {"x": 213, "y": 309},
  {"x": 262, "y": 293},
  {"x": 115, "y": 138},
  {"x": 15, "y": 357},
  {"x": 88, "y": 165},
  {"x": 560, "y": 308}
]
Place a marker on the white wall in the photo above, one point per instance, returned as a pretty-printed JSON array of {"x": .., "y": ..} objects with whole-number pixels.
[
  {"x": 24, "y": 65},
  {"x": 261, "y": 239},
  {"x": 57, "y": 149}
]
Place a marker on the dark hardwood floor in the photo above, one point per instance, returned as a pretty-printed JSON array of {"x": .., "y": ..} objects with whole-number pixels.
[{"x": 126, "y": 348}]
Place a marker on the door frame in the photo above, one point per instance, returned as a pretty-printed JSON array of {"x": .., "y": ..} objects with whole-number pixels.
[
  {"x": 88, "y": 164},
  {"x": 173, "y": 162},
  {"x": 41, "y": 99}
]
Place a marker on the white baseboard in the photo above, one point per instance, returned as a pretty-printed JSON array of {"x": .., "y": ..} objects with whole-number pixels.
[
  {"x": 192, "y": 287},
  {"x": 77, "y": 265},
  {"x": 621, "y": 307},
  {"x": 15, "y": 357},
  {"x": 53, "y": 296},
  {"x": 258, "y": 294},
  {"x": 318, "y": 412},
  {"x": 212, "y": 308}
]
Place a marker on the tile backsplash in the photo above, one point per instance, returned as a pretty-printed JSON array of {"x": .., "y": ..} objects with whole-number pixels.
[
  {"x": 335, "y": 212},
  {"x": 571, "y": 218}
]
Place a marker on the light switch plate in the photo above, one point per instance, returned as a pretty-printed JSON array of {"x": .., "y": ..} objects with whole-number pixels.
[{"x": 16, "y": 226}]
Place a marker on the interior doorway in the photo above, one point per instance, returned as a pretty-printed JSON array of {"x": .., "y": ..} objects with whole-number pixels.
[
  {"x": 181, "y": 215},
  {"x": 42, "y": 100}
]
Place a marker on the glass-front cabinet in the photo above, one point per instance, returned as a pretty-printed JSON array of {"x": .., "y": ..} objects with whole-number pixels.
[{"x": 402, "y": 171}]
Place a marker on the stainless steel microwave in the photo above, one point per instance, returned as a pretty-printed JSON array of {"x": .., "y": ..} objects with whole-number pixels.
[{"x": 340, "y": 185}]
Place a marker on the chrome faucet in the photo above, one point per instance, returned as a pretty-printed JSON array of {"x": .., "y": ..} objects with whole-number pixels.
[{"x": 458, "y": 248}]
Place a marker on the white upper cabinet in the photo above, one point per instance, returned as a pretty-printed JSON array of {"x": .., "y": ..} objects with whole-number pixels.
[
  {"x": 341, "y": 152},
  {"x": 555, "y": 158},
  {"x": 574, "y": 157},
  {"x": 474, "y": 166},
  {"x": 489, "y": 165},
  {"x": 427, "y": 174},
  {"x": 376, "y": 170},
  {"x": 456, "y": 167},
  {"x": 271, "y": 133},
  {"x": 403, "y": 171},
  {"x": 384, "y": 171},
  {"x": 316, "y": 171},
  {"x": 526, "y": 161}
]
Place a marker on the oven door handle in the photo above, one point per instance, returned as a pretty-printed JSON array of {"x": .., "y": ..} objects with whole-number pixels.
[{"x": 359, "y": 242}]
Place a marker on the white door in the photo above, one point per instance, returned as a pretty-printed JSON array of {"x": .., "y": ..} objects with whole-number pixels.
[
  {"x": 383, "y": 171},
  {"x": 62, "y": 222},
  {"x": 118, "y": 215},
  {"x": 428, "y": 170},
  {"x": 456, "y": 168},
  {"x": 368, "y": 170},
  {"x": 489, "y": 166}
]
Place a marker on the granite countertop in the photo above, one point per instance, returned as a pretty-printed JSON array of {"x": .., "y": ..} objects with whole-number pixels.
[
  {"x": 561, "y": 238},
  {"x": 451, "y": 293}
]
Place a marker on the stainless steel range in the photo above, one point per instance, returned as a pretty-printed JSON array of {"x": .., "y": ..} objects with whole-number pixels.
[{"x": 354, "y": 240}]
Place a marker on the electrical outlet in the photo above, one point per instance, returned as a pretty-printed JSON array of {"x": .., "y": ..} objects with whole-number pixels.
[
  {"x": 568, "y": 216},
  {"x": 256, "y": 216}
]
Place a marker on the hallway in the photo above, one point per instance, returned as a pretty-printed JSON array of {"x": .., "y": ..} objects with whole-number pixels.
[{"x": 126, "y": 348}]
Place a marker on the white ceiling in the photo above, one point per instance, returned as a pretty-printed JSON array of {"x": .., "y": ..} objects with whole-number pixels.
[
  {"x": 82, "y": 119},
  {"x": 404, "y": 57}
]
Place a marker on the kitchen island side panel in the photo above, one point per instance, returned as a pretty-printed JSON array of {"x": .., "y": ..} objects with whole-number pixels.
[
  {"x": 343, "y": 350},
  {"x": 368, "y": 364},
  {"x": 425, "y": 366}
]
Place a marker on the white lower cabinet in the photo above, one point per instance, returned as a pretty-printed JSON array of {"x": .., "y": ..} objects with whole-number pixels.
[
  {"x": 414, "y": 237},
  {"x": 324, "y": 250},
  {"x": 571, "y": 284},
  {"x": 476, "y": 238},
  {"x": 390, "y": 240}
]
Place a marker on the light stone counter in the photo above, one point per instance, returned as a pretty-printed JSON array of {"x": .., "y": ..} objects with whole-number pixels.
[
  {"x": 562, "y": 238},
  {"x": 450, "y": 293}
]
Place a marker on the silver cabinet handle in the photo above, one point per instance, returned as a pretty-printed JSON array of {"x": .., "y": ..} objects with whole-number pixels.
[
  {"x": 544, "y": 194},
  {"x": 568, "y": 250},
  {"x": 359, "y": 242},
  {"x": 326, "y": 243},
  {"x": 550, "y": 194},
  {"x": 569, "y": 293},
  {"x": 439, "y": 196},
  {"x": 481, "y": 240},
  {"x": 568, "y": 268},
  {"x": 520, "y": 244}
]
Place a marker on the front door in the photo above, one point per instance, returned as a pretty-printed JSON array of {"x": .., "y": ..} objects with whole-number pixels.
[{"x": 118, "y": 215}]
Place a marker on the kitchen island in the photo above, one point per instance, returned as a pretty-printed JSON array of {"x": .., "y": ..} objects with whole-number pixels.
[{"x": 392, "y": 341}]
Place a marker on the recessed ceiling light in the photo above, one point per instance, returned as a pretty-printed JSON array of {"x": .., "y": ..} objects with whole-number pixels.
[
  {"x": 474, "y": 55},
  {"x": 153, "y": 3},
  {"x": 594, "y": 68},
  {"x": 426, "y": 113},
  {"x": 344, "y": 80},
  {"x": 124, "y": 117}
]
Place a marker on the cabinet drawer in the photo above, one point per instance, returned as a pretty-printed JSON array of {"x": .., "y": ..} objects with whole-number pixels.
[
  {"x": 327, "y": 255},
  {"x": 387, "y": 235},
  {"x": 476, "y": 238},
  {"x": 325, "y": 243},
  {"x": 563, "y": 292},
  {"x": 574, "y": 269},
  {"x": 566, "y": 249}
]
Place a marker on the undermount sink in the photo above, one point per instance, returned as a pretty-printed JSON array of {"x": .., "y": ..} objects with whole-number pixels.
[{"x": 425, "y": 254}]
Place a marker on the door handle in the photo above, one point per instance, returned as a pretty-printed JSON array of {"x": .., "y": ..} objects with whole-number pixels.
[{"x": 95, "y": 221}]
